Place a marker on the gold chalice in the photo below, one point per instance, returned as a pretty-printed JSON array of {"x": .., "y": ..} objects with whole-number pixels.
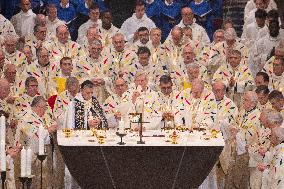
[
  {"x": 174, "y": 137},
  {"x": 94, "y": 131},
  {"x": 101, "y": 135},
  {"x": 214, "y": 133},
  {"x": 67, "y": 132}
]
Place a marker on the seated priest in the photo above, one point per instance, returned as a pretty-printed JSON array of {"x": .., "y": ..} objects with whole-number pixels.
[
  {"x": 170, "y": 104},
  {"x": 277, "y": 77},
  {"x": 277, "y": 101},
  {"x": 200, "y": 105},
  {"x": 27, "y": 134},
  {"x": 58, "y": 79},
  {"x": 261, "y": 78},
  {"x": 153, "y": 71},
  {"x": 112, "y": 105},
  {"x": 236, "y": 75},
  {"x": 141, "y": 99},
  {"x": 25, "y": 99},
  {"x": 85, "y": 111},
  {"x": 262, "y": 92}
]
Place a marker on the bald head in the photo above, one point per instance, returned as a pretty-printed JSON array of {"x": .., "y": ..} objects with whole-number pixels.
[
  {"x": 188, "y": 54},
  {"x": 5, "y": 88},
  {"x": 25, "y": 5},
  {"x": 219, "y": 89},
  {"x": 249, "y": 100},
  {"x": 197, "y": 88},
  {"x": 120, "y": 86},
  {"x": 10, "y": 72},
  {"x": 10, "y": 43},
  {"x": 62, "y": 34},
  {"x": 187, "y": 16},
  {"x": 177, "y": 35},
  {"x": 118, "y": 41}
]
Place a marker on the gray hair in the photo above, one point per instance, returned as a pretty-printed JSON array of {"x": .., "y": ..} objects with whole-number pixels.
[
  {"x": 96, "y": 42},
  {"x": 253, "y": 96},
  {"x": 192, "y": 66},
  {"x": 11, "y": 37},
  {"x": 140, "y": 72},
  {"x": 71, "y": 81},
  {"x": 219, "y": 82},
  {"x": 119, "y": 35},
  {"x": 219, "y": 30},
  {"x": 274, "y": 117}
]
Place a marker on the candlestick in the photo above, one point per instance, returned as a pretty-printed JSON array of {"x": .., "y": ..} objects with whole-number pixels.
[
  {"x": 41, "y": 140},
  {"x": 23, "y": 162},
  {"x": 3, "y": 156},
  {"x": 23, "y": 180},
  {"x": 41, "y": 158},
  {"x": 2, "y": 128},
  {"x": 3, "y": 178},
  {"x": 29, "y": 162},
  {"x": 3, "y": 143},
  {"x": 121, "y": 127}
]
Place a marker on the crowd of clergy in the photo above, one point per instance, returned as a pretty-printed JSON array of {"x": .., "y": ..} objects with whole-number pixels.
[{"x": 231, "y": 84}]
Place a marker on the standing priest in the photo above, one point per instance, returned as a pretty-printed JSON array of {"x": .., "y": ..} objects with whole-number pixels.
[{"x": 85, "y": 111}]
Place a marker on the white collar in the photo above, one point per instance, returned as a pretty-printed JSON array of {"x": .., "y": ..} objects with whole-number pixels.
[
  {"x": 67, "y": 6},
  {"x": 86, "y": 5},
  {"x": 149, "y": 1},
  {"x": 80, "y": 97},
  {"x": 198, "y": 3},
  {"x": 168, "y": 3},
  {"x": 143, "y": 17},
  {"x": 28, "y": 13}
]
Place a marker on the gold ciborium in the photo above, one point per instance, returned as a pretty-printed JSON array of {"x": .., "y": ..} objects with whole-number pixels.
[
  {"x": 174, "y": 137},
  {"x": 67, "y": 132},
  {"x": 101, "y": 135},
  {"x": 94, "y": 131},
  {"x": 214, "y": 133}
]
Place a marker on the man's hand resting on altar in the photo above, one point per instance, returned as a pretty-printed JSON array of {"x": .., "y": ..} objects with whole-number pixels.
[{"x": 94, "y": 122}]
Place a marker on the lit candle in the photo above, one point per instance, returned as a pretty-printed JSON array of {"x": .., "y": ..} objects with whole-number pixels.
[
  {"x": 29, "y": 162},
  {"x": 2, "y": 129},
  {"x": 70, "y": 116},
  {"x": 3, "y": 156},
  {"x": 121, "y": 127},
  {"x": 41, "y": 140},
  {"x": 23, "y": 162},
  {"x": 3, "y": 142}
]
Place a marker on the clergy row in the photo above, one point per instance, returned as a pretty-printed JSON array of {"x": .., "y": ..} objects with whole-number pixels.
[
  {"x": 50, "y": 80},
  {"x": 162, "y": 13}
]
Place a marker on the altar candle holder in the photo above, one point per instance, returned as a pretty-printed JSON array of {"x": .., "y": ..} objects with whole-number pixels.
[
  {"x": 41, "y": 158},
  {"x": 3, "y": 178},
  {"x": 121, "y": 135},
  {"x": 26, "y": 181},
  {"x": 140, "y": 122}
]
